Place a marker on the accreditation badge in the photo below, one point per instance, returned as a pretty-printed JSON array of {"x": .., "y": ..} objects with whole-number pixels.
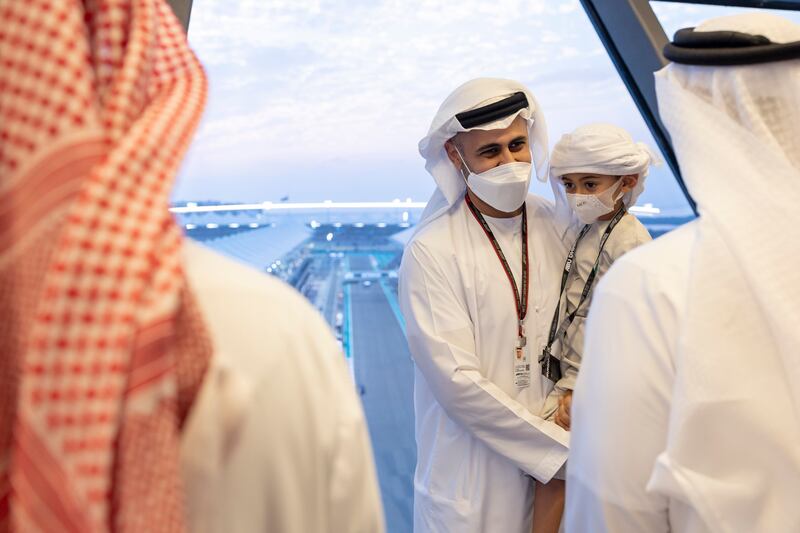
[{"x": 522, "y": 367}]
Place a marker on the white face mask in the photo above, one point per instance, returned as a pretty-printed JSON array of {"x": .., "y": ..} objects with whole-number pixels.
[
  {"x": 590, "y": 207},
  {"x": 505, "y": 187}
]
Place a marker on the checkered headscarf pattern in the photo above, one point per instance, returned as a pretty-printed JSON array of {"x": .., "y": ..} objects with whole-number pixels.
[{"x": 103, "y": 346}]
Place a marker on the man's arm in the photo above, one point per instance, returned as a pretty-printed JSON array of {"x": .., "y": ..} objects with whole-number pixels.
[
  {"x": 620, "y": 411},
  {"x": 441, "y": 339}
]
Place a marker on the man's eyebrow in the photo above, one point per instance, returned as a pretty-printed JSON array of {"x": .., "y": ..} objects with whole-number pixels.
[{"x": 486, "y": 147}]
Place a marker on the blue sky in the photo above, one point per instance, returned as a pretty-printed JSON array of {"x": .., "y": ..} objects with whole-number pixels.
[{"x": 319, "y": 99}]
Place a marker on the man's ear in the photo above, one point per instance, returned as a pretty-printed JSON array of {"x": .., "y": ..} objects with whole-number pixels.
[
  {"x": 452, "y": 154},
  {"x": 629, "y": 181}
]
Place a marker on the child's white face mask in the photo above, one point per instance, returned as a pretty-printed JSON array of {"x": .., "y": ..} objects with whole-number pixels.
[{"x": 590, "y": 207}]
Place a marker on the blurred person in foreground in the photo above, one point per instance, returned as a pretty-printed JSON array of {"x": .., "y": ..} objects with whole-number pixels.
[
  {"x": 147, "y": 384},
  {"x": 688, "y": 419}
]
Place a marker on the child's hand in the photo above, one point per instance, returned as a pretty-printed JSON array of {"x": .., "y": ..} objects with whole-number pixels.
[{"x": 563, "y": 418}]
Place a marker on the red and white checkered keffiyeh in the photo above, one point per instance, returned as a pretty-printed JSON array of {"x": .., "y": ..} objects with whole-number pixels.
[{"x": 102, "y": 345}]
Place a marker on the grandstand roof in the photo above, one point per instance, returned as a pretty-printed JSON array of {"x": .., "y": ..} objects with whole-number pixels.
[{"x": 260, "y": 247}]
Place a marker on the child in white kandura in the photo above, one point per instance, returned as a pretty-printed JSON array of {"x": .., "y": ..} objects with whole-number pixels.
[{"x": 603, "y": 172}]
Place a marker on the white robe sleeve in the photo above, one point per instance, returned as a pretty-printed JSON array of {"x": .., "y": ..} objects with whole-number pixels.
[
  {"x": 620, "y": 410},
  {"x": 441, "y": 340}
]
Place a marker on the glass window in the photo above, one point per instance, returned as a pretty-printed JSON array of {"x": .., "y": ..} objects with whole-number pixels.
[{"x": 306, "y": 163}]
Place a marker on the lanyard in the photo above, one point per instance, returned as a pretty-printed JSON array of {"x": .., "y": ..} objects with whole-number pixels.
[
  {"x": 556, "y": 330},
  {"x": 520, "y": 296}
]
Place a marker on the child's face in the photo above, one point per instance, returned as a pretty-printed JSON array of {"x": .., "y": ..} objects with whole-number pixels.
[{"x": 580, "y": 183}]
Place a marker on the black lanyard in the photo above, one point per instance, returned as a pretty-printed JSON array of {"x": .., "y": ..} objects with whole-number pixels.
[
  {"x": 550, "y": 367},
  {"x": 520, "y": 297}
]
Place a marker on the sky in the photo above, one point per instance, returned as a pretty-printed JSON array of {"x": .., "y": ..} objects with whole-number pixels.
[{"x": 327, "y": 99}]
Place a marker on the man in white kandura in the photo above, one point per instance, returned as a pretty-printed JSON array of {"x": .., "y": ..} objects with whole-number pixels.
[
  {"x": 689, "y": 421},
  {"x": 277, "y": 440},
  {"x": 147, "y": 383},
  {"x": 478, "y": 285}
]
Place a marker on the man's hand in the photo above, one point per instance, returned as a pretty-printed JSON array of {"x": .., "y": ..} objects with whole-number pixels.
[{"x": 564, "y": 407}]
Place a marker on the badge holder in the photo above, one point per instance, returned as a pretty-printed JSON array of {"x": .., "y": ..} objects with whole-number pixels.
[{"x": 551, "y": 366}]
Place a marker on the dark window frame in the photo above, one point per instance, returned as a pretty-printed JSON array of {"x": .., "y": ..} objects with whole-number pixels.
[{"x": 634, "y": 38}]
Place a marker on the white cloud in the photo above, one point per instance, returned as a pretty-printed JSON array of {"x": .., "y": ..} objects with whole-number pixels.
[{"x": 569, "y": 7}]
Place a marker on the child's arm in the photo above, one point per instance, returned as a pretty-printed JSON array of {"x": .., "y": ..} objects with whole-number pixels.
[
  {"x": 563, "y": 417},
  {"x": 563, "y": 389},
  {"x": 550, "y": 407}
]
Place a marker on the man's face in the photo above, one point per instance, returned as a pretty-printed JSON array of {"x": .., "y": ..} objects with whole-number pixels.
[{"x": 485, "y": 149}]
